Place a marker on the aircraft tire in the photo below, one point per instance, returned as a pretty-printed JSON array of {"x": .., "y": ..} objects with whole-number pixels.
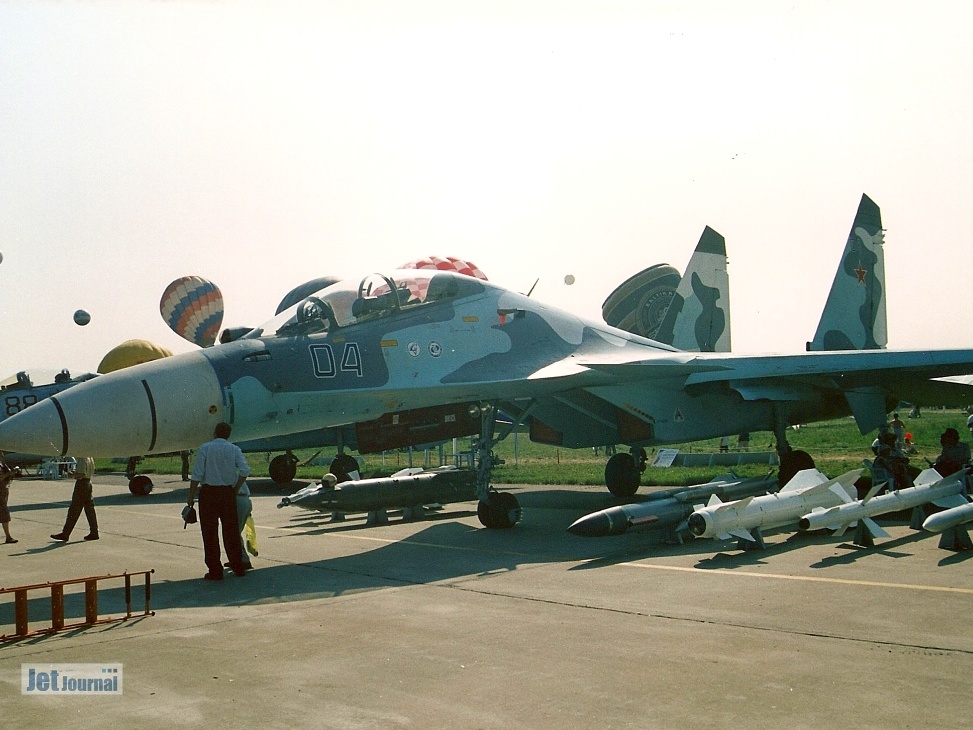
[
  {"x": 140, "y": 485},
  {"x": 342, "y": 465},
  {"x": 283, "y": 468},
  {"x": 794, "y": 461},
  {"x": 508, "y": 510},
  {"x": 500, "y": 511},
  {"x": 486, "y": 515},
  {"x": 622, "y": 475}
]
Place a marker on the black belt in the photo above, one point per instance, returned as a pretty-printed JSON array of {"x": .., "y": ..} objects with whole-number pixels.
[{"x": 220, "y": 486}]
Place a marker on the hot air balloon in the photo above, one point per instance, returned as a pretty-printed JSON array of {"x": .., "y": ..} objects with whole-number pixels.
[
  {"x": 131, "y": 352},
  {"x": 449, "y": 263},
  {"x": 193, "y": 308},
  {"x": 81, "y": 318}
]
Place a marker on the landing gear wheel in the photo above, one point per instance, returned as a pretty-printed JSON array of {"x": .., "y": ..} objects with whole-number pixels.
[
  {"x": 342, "y": 466},
  {"x": 485, "y": 512},
  {"x": 500, "y": 511},
  {"x": 622, "y": 475},
  {"x": 283, "y": 468},
  {"x": 140, "y": 485},
  {"x": 793, "y": 461}
]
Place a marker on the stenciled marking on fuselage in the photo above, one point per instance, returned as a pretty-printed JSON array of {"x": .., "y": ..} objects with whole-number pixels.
[
  {"x": 15, "y": 404},
  {"x": 326, "y": 365}
]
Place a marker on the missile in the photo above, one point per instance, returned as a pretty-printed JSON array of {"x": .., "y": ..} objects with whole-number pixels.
[
  {"x": 949, "y": 518},
  {"x": 667, "y": 508},
  {"x": 805, "y": 491},
  {"x": 399, "y": 490},
  {"x": 929, "y": 487}
]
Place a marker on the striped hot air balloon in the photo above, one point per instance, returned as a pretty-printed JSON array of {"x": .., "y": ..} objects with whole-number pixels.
[{"x": 193, "y": 308}]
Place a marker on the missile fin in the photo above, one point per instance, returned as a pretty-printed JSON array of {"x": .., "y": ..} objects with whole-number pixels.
[
  {"x": 841, "y": 530},
  {"x": 874, "y": 528},
  {"x": 950, "y": 501},
  {"x": 839, "y": 490},
  {"x": 738, "y": 504},
  {"x": 804, "y": 479},
  {"x": 742, "y": 535},
  {"x": 713, "y": 500},
  {"x": 926, "y": 478},
  {"x": 872, "y": 492}
]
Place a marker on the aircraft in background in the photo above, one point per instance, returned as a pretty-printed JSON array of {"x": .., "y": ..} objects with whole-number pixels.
[
  {"x": 21, "y": 391},
  {"x": 362, "y": 350}
]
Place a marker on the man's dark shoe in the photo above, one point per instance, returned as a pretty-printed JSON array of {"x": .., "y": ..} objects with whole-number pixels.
[
  {"x": 92, "y": 536},
  {"x": 239, "y": 572},
  {"x": 60, "y": 536},
  {"x": 213, "y": 576}
]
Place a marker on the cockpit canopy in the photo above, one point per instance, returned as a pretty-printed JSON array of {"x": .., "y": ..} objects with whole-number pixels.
[
  {"x": 39, "y": 377},
  {"x": 376, "y": 296}
]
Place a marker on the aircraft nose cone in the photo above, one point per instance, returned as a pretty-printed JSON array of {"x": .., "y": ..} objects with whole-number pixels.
[{"x": 165, "y": 405}]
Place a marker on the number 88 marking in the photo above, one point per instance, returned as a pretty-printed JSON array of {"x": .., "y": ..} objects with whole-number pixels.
[{"x": 15, "y": 404}]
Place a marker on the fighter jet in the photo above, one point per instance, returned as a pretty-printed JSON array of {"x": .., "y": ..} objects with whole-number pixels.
[{"x": 361, "y": 350}]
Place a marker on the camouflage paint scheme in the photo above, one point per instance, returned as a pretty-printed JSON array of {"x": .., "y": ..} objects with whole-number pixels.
[
  {"x": 854, "y": 316},
  {"x": 324, "y": 363},
  {"x": 698, "y": 318}
]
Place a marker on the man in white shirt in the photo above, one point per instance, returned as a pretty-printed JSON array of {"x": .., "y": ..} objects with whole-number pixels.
[{"x": 219, "y": 472}]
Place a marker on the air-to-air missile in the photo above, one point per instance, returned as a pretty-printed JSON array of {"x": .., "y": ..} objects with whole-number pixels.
[
  {"x": 805, "y": 491},
  {"x": 949, "y": 518},
  {"x": 668, "y": 508},
  {"x": 403, "y": 489},
  {"x": 930, "y": 486}
]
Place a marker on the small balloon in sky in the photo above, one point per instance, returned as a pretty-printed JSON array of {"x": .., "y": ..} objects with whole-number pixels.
[
  {"x": 81, "y": 318},
  {"x": 569, "y": 279},
  {"x": 1, "y": 257}
]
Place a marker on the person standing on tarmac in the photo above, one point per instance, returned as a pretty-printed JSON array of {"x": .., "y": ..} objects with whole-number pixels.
[
  {"x": 6, "y": 476},
  {"x": 81, "y": 499},
  {"x": 219, "y": 472}
]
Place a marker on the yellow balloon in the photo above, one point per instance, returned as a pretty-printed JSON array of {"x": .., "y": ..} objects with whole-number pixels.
[{"x": 131, "y": 352}]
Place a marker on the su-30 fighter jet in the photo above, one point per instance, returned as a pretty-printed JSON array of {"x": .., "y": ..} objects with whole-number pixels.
[{"x": 359, "y": 351}]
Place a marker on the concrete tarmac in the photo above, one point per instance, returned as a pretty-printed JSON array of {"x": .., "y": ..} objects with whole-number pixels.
[{"x": 443, "y": 624}]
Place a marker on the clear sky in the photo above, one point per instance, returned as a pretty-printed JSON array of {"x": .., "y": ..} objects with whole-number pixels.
[{"x": 262, "y": 144}]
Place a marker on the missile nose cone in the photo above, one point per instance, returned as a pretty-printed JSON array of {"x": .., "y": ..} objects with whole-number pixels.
[
  {"x": 697, "y": 524},
  {"x": 610, "y": 521},
  {"x": 597, "y": 524}
]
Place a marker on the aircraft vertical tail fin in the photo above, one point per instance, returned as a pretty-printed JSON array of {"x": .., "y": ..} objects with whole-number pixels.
[
  {"x": 854, "y": 316},
  {"x": 698, "y": 317}
]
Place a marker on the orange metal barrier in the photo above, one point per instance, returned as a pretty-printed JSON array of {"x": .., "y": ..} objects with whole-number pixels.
[{"x": 22, "y": 629}]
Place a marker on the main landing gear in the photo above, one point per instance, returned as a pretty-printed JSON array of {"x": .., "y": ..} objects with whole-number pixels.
[
  {"x": 623, "y": 472},
  {"x": 791, "y": 460},
  {"x": 496, "y": 510},
  {"x": 283, "y": 468}
]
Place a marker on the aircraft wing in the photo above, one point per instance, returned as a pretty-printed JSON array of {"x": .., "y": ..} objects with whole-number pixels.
[
  {"x": 851, "y": 368},
  {"x": 655, "y": 397}
]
